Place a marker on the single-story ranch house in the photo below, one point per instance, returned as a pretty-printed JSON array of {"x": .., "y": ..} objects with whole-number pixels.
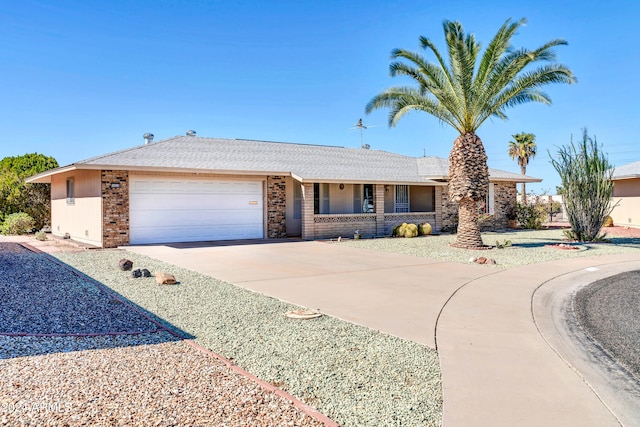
[
  {"x": 190, "y": 188},
  {"x": 626, "y": 193}
]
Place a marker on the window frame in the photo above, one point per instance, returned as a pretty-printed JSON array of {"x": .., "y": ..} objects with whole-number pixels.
[{"x": 71, "y": 191}]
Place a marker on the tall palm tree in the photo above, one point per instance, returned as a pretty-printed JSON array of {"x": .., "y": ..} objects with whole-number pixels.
[
  {"x": 464, "y": 93},
  {"x": 523, "y": 148}
]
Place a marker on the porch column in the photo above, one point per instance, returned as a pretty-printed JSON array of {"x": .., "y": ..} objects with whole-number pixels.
[
  {"x": 308, "y": 227},
  {"x": 438, "y": 201},
  {"x": 379, "y": 204}
]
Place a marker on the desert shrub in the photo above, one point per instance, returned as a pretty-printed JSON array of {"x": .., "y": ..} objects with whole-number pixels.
[
  {"x": 41, "y": 235},
  {"x": 608, "y": 221},
  {"x": 17, "y": 223},
  {"x": 424, "y": 229},
  {"x": 411, "y": 231},
  {"x": 405, "y": 230},
  {"x": 586, "y": 176},
  {"x": 530, "y": 216}
]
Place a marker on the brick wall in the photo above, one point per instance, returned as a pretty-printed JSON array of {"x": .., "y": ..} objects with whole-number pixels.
[
  {"x": 276, "y": 207},
  {"x": 449, "y": 211},
  {"x": 115, "y": 208},
  {"x": 329, "y": 226},
  {"x": 504, "y": 195}
]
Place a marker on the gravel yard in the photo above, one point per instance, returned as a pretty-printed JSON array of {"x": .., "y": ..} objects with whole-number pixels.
[
  {"x": 354, "y": 375},
  {"x": 528, "y": 247},
  {"x": 166, "y": 384},
  {"x": 124, "y": 376}
]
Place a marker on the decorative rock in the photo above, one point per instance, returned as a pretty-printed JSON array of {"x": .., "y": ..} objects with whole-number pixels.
[
  {"x": 165, "y": 279},
  {"x": 145, "y": 272},
  {"x": 473, "y": 259},
  {"x": 481, "y": 260},
  {"x": 491, "y": 261},
  {"x": 136, "y": 273},
  {"x": 125, "y": 264},
  {"x": 303, "y": 314}
]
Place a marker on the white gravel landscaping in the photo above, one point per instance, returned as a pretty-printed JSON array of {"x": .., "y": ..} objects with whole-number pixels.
[
  {"x": 527, "y": 247},
  {"x": 354, "y": 375}
]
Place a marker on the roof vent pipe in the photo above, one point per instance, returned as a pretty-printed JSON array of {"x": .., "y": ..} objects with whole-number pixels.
[
  {"x": 148, "y": 138},
  {"x": 191, "y": 133}
]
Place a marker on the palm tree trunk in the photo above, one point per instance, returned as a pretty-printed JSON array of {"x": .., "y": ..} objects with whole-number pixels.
[
  {"x": 468, "y": 184},
  {"x": 523, "y": 170},
  {"x": 468, "y": 228}
]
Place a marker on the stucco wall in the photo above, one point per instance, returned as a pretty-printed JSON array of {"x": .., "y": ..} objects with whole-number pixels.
[
  {"x": 626, "y": 188},
  {"x": 626, "y": 193},
  {"x": 82, "y": 218}
]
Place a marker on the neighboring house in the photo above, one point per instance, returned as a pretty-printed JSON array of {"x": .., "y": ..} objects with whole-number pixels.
[
  {"x": 189, "y": 188},
  {"x": 626, "y": 193}
]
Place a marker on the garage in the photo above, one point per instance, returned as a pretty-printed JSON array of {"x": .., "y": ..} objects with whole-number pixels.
[{"x": 164, "y": 210}]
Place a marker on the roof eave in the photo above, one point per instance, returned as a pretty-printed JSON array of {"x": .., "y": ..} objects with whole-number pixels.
[{"x": 629, "y": 176}]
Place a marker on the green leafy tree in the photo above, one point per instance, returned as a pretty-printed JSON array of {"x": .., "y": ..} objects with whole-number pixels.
[
  {"x": 523, "y": 148},
  {"x": 585, "y": 173},
  {"x": 18, "y": 196},
  {"x": 465, "y": 91}
]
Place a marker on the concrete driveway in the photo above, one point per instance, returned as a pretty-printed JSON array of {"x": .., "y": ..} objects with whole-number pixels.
[
  {"x": 392, "y": 293},
  {"x": 500, "y": 364}
]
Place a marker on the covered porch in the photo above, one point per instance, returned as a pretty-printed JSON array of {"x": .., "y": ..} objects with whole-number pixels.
[{"x": 330, "y": 210}]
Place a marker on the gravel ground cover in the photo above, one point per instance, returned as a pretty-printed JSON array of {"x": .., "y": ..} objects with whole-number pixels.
[
  {"x": 136, "y": 379},
  {"x": 355, "y": 376},
  {"x": 165, "y": 384},
  {"x": 609, "y": 311},
  {"x": 59, "y": 301},
  {"x": 528, "y": 247}
]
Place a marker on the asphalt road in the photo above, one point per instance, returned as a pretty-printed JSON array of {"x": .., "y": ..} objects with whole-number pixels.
[{"x": 609, "y": 312}]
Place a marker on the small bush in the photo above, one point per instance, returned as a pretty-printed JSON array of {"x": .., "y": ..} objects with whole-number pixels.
[
  {"x": 424, "y": 229},
  {"x": 394, "y": 232},
  {"x": 530, "y": 216},
  {"x": 411, "y": 231},
  {"x": 41, "y": 235},
  {"x": 17, "y": 223},
  {"x": 401, "y": 230},
  {"x": 608, "y": 221}
]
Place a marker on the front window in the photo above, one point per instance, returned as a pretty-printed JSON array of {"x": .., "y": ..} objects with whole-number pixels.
[
  {"x": 402, "y": 199},
  {"x": 486, "y": 206},
  {"x": 367, "y": 199},
  {"x": 71, "y": 199}
]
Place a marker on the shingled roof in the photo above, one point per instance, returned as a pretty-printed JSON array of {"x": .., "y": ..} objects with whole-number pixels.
[
  {"x": 307, "y": 163},
  {"x": 631, "y": 170}
]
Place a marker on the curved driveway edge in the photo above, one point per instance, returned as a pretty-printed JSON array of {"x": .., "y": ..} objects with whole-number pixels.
[
  {"x": 498, "y": 369},
  {"x": 557, "y": 322}
]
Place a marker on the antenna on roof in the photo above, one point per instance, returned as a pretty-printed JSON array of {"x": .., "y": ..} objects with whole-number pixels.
[{"x": 361, "y": 126}]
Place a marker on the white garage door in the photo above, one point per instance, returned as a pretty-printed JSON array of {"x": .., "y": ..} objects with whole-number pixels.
[{"x": 166, "y": 210}]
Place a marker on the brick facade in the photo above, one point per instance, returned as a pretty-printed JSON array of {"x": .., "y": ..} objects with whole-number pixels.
[
  {"x": 504, "y": 200},
  {"x": 276, "y": 207},
  {"x": 115, "y": 208}
]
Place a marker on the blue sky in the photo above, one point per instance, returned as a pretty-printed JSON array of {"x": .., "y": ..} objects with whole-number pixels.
[{"x": 82, "y": 78}]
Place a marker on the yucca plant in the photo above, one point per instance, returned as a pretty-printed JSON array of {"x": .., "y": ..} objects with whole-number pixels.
[
  {"x": 586, "y": 175},
  {"x": 463, "y": 91}
]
